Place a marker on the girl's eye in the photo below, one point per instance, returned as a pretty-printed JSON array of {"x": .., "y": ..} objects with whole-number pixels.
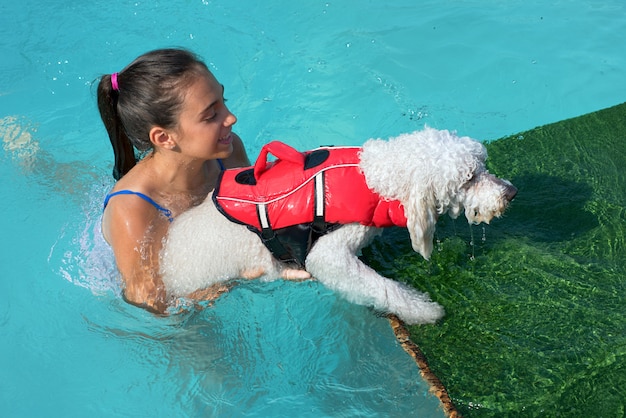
[{"x": 213, "y": 115}]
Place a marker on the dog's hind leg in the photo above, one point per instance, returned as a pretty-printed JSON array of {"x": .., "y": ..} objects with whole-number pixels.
[{"x": 334, "y": 263}]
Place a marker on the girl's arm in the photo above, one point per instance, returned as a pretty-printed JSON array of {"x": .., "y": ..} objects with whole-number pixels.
[{"x": 135, "y": 231}]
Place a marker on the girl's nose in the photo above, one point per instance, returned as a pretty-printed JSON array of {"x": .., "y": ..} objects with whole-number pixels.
[{"x": 230, "y": 120}]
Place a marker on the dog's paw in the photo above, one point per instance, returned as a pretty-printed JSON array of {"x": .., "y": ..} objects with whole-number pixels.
[
  {"x": 421, "y": 312},
  {"x": 296, "y": 275}
]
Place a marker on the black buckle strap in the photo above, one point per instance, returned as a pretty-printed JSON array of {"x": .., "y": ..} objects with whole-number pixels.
[
  {"x": 271, "y": 240},
  {"x": 292, "y": 244}
]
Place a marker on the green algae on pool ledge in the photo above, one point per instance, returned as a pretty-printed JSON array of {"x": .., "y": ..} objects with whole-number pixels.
[{"x": 534, "y": 322}]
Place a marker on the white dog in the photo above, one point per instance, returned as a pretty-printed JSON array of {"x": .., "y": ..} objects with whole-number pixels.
[{"x": 430, "y": 172}]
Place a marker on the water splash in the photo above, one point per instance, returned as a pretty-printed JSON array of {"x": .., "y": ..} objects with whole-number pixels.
[{"x": 81, "y": 255}]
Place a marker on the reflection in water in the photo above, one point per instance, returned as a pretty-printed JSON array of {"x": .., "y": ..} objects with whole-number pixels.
[
  {"x": 74, "y": 179},
  {"x": 277, "y": 349},
  {"x": 18, "y": 141}
]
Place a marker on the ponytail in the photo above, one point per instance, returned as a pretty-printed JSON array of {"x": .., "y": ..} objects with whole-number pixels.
[{"x": 122, "y": 146}]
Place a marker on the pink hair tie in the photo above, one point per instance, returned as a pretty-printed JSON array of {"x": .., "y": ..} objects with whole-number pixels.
[{"x": 114, "y": 84}]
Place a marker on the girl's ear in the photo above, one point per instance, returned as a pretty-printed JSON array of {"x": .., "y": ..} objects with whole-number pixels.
[{"x": 162, "y": 138}]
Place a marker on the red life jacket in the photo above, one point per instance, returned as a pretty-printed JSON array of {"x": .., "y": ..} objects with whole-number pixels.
[{"x": 301, "y": 196}]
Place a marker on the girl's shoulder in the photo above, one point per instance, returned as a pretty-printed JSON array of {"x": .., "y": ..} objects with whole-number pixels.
[{"x": 135, "y": 196}]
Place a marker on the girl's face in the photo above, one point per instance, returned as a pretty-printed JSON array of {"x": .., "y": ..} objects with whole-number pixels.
[{"x": 205, "y": 123}]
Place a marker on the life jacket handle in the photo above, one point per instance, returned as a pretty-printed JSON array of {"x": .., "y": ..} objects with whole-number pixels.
[{"x": 281, "y": 151}]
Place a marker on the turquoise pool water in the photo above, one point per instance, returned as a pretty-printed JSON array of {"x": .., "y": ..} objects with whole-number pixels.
[{"x": 309, "y": 74}]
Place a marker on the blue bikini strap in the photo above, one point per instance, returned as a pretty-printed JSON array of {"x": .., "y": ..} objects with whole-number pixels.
[
  {"x": 148, "y": 199},
  {"x": 164, "y": 211}
]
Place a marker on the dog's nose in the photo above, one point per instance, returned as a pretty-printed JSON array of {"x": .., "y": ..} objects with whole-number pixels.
[{"x": 510, "y": 192}]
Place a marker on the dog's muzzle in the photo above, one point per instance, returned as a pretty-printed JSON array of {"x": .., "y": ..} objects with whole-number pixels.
[{"x": 510, "y": 191}]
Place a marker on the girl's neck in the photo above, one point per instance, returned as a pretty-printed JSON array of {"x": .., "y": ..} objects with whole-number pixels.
[{"x": 178, "y": 176}]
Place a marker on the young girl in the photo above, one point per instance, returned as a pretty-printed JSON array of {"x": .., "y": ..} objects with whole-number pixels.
[{"x": 168, "y": 103}]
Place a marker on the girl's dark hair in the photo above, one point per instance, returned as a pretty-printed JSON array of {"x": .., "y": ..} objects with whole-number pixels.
[{"x": 150, "y": 93}]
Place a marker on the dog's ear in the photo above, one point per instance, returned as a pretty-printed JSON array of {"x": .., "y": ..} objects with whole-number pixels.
[{"x": 421, "y": 218}]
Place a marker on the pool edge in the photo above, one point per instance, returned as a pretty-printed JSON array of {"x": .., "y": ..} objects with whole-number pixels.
[{"x": 435, "y": 386}]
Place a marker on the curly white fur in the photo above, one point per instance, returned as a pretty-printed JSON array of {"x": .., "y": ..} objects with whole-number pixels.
[{"x": 431, "y": 172}]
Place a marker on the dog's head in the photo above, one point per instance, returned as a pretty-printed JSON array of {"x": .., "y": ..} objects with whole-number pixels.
[
  {"x": 447, "y": 175},
  {"x": 485, "y": 197}
]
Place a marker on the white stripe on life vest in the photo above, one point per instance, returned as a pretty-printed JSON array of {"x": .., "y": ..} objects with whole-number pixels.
[
  {"x": 319, "y": 194},
  {"x": 265, "y": 223},
  {"x": 276, "y": 199}
]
